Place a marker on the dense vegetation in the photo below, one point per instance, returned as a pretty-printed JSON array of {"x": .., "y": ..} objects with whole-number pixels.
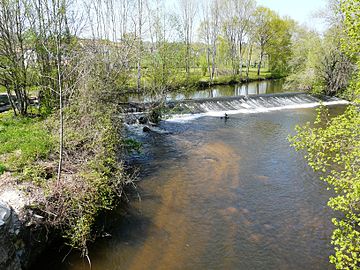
[
  {"x": 333, "y": 149},
  {"x": 75, "y": 60}
]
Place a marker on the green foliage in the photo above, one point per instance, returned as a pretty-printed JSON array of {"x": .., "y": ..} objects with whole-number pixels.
[
  {"x": 351, "y": 42},
  {"x": 2, "y": 169},
  {"x": 333, "y": 150},
  {"x": 327, "y": 64},
  {"x": 279, "y": 49},
  {"x": 93, "y": 174},
  {"x": 351, "y": 11},
  {"x": 274, "y": 38},
  {"x": 35, "y": 174},
  {"x": 318, "y": 64}
]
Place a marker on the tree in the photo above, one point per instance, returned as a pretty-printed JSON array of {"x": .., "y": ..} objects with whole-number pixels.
[
  {"x": 139, "y": 34},
  {"x": 209, "y": 32},
  {"x": 229, "y": 23},
  {"x": 334, "y": 69},
  {"x": 264, "y": 32},
  {"x": 51, "y": 29},
  {"x": 279, "y": 49},
  {"x": 320, "y": 64},
  {"x": 333, "y": 149},
  {"x": 236, "y": 23},
  {"x": 15, "y": 56},
  {"x": 306, "y": 51},
  {"x": 351, "y": 42},
  {"x": 164, "y": 57},
  {"x": 188, "y": 11}
]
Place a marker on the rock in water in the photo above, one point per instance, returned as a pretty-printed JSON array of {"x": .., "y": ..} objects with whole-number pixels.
[
  {"x": 143, "y": 120},
  {"x": 8, "y": 251},
  {"x": 5, "y": 213},
  {"x": 146, "y": 129}
]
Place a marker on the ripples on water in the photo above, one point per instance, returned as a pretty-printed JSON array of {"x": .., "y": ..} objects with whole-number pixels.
[{"x": 220, "y": 195}]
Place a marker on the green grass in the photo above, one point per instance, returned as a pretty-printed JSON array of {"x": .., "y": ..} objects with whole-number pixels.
[
  {"x": 22, "y": 141},
  {"x": 32, "y": 90},
  {"x": 2, "y": 169}
]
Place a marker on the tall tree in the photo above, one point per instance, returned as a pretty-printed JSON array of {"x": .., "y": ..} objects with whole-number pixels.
[
  {"x": 264, "y": 18},
  {"x": 15, "y": 56},
  {"x": 279, "y": 48},
  {"x": 209, "y": 32},
  {"x": 188, "y": 11},
  {"x": 236, "y": 22},
  {"x": 139, "y": 36},
  {"x": 164, "y": 55}
]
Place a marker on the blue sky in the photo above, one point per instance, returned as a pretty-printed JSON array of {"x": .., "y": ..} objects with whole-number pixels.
[{"x": 300, "y": 10}]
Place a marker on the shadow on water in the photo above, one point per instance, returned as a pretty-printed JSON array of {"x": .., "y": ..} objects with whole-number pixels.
[{"x": 218, "y": 195}]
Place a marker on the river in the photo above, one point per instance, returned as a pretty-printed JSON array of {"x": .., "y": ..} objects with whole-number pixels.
[
  {"x": 217, "y": 194},
  {"x": 251, "y": 88}
]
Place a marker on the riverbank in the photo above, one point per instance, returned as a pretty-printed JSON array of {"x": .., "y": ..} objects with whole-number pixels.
[
  {"x": 198, "y": 80},
  {"x": 91, "y": 181},
  {"x": 23, "y": 143}
]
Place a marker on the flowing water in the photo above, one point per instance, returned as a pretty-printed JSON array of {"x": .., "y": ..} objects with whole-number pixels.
[
  {"x": 218, "y": 194},
  {"x": 252, "y": 88}
]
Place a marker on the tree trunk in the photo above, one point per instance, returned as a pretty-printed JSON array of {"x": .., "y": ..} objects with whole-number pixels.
[
  {"x": 249, "y": 62},
  {"x": 260, "y": 62},
  {"x": 241, "y": 59},
  {"x": 213, "y": 63},
  {"x": 140, "y": 6},
  {"x": 208, "y": 62},
  {"x": 58, "y": 30},
  {"x": 8, "y": 91}
]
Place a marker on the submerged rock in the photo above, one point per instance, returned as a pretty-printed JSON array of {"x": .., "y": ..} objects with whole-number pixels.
[
  {"x": 146, "y": 129},
  {"x": 143, "y": 120}
]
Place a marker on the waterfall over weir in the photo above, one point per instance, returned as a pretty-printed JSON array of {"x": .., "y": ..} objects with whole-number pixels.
[
  {"x": 194, "y": 108},
  {"x": 249, "y": 104}
]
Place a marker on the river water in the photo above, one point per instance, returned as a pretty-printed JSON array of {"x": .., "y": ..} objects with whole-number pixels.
[
  {"x": 218, "y": 194},
  {"x": 251, "y": 88}
]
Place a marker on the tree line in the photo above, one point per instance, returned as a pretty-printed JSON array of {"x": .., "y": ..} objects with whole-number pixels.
[{"x": 140, "y": 44}]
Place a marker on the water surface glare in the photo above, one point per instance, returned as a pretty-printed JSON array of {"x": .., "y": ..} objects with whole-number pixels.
[{"x": 220, "y": 194}]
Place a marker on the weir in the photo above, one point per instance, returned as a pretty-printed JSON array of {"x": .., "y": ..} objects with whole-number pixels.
[
  {"x": 240, "y": 104},
  {"x": 255, "y": 103}
]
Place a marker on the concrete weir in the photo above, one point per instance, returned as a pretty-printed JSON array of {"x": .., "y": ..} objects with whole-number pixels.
[
  {"x": 250, "y": 103},
  {"x": 261, "y": 103}
]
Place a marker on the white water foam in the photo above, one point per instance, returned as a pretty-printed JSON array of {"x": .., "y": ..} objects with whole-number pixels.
[{"x": 249, "y": 109}]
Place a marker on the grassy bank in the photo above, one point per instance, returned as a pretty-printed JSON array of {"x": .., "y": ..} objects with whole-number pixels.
[
  {"x": 23, "y": 141},
  {"x": 198, "y": 79},
  {"x": 92, "y": 174}
]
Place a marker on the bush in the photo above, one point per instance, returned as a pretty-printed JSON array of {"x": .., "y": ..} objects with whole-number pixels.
[{"x": 333, "y": 149}]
